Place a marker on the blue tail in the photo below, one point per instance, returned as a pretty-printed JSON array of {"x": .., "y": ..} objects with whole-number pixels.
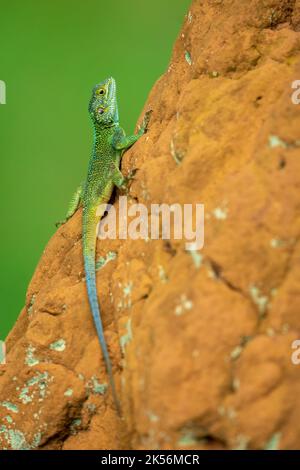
[{"x": 90, "y": 271}]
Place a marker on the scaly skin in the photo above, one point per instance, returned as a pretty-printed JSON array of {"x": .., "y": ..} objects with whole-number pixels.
[{"x": 103, "y": 174}]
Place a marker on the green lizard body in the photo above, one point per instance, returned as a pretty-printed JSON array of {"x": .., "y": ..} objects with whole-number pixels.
[{"x": 103, "y": 174}]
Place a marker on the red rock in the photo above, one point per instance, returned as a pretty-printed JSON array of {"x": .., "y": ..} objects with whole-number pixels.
[{"x": 201, "y": 351}]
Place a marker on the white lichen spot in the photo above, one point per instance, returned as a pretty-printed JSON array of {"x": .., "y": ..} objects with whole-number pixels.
[
  {"x": 190, "y": 16},
  {"x": 220, "y": 214},
  {"x": 236, "y": 352},
  {"x": 270, "y": 332},
  {"x": 8, "y": 419},
  {"x": 29, "y": 392},
  {"x": 188, "y": 57},
  {"x": 24, "y": 397},
  {"x": 103, "y": 260},
  {"x": 152, "y": 417},
  {"x": 59, "y": 345},
  {"x": 75, "y": 425},
  {"x": 184, "y": 305},
  {"x": 17, "y": 440},
  {"x": 242, "y": 442},
  {"x": 187, "y": 439},
  {"x": 275, "y": 142},
  {"x": 68, "y": 392},
  {"x": 196, "y": 256},
  {"x": 36, "y": 440},
  {"x": 97, "y": 387},
  {"x": 10, "y": 406},
  {"x": 30, "y": 359},
  {"x": 260, "y": 300},
  {"x": 127, "y": 290},
  {"x": 162, "y": 274},
  {"x": 178, "y": 157},
  {"x": 231, "y": 413},
  {"x": 273, "y": 443},
  {"x": 127, "y": 337},
  {"x": 276, "y": 243}
]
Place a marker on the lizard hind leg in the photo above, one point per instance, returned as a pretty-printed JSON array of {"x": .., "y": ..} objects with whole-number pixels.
[{"x": 73, "y": 205}]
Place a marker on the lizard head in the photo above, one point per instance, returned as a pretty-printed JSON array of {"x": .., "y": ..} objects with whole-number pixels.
[{"x": 103, "y": 106}]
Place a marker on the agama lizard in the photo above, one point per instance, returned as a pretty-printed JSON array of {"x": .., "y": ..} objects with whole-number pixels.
[{"x": 103, "y": 174}]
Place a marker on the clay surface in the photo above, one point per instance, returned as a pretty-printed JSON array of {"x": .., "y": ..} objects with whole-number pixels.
[{"x": 201, "y": 342}]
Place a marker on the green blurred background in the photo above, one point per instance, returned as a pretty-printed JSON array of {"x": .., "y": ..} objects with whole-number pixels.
[{"x": 51, "y": 55}]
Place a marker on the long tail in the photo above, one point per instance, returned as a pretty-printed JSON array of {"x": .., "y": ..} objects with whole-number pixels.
[{"x": 89, "y": 252}]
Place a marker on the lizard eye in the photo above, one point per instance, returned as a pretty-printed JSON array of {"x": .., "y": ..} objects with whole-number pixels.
[{"x": 101, "y": 91}]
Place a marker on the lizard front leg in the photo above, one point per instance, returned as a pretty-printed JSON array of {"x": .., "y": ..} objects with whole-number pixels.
[
  {"x": 73, "y": 206},
  {"x": 123, "y": 142}
]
